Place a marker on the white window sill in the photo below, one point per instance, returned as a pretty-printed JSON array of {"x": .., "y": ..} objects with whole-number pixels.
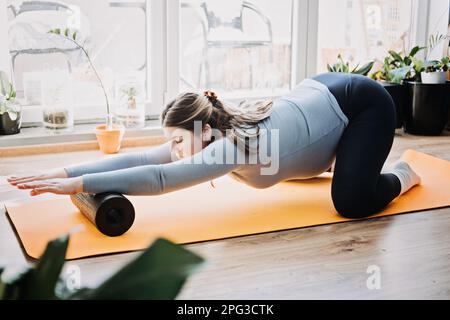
[{"x": 37, "y": 135}]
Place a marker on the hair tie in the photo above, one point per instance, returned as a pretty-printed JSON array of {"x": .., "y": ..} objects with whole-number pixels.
[{"x": 212, "y": 96}]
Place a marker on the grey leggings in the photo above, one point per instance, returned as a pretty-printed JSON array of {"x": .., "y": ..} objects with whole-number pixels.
[{"x": 358, "y": 188}]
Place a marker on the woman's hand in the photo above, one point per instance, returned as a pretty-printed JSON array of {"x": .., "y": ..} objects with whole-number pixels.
[
  {"x": 45, "y": 175},
  {"x": 57, "y": 186}
]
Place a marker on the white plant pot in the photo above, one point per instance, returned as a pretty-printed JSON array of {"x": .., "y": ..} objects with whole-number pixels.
[{"x": 434, "y": 77}]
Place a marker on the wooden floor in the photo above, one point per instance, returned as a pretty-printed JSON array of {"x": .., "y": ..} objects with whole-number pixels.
[{"x": 325, "y": 262}]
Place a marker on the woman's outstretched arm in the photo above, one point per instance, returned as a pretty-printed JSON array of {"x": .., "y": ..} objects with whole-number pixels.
[
  {"x": 212, "y": 162},
  {"x": 156, "y": 155}
]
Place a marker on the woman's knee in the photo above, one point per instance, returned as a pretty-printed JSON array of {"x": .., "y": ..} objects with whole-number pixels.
[{"x": 352, "y": 205}]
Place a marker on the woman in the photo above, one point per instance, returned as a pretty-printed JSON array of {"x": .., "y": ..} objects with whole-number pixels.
[{"x": 346, "y": 118}]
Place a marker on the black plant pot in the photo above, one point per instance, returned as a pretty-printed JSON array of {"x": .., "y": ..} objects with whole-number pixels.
[
  {"x": 427, "y": 108},
  {"x": 398, "y": 93},
  {"x": 448, "y": 123},
  {"x": 8, "y": 126}
]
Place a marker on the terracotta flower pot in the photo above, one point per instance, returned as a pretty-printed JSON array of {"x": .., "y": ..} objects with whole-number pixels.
[{"x": 109, "y": 141}]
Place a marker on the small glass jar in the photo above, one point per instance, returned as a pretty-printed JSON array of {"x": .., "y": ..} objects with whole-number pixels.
[
  {"x": 10, "y": 117},
  {"x": 57, "y": 103},
  {"x": 131, "y": 115},
  {"x": 130, "y": 97}
]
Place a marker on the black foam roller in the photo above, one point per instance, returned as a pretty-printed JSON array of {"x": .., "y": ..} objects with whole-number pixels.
[{"x": 112, "y": 213}]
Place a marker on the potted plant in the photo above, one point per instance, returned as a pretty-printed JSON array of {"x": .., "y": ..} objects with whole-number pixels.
[
  {"x": 158, "y": 273},
  {"x": 130, "y": 114},
  {"x": 344, "y": 66},
  {"x": 10, "y": 108},
  {"x": 436, "y": 71},
  {"x": 427, "y": 105},
  {"x": 110, "y": 134},
  {"x": 394, "y": 70}
]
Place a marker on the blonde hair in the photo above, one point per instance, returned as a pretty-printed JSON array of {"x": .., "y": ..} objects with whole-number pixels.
[{"x": 189, "y": 107}]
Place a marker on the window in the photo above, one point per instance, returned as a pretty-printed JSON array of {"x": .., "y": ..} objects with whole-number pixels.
[
  {"x": 241, "y": 48},
  {"x": 362, "y": 30},
  {"x": 113, "y": 32}
]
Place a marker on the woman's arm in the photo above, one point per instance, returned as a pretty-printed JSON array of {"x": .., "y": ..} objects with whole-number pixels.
[
  {"x": 156, "y": 155},
  {"x": 208, "y": 164}
]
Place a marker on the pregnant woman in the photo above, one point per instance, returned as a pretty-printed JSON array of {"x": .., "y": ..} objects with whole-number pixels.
[{"x": 332, "y": 117}]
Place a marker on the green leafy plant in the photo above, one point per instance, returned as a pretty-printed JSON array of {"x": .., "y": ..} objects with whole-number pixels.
[
  {"x": 6, "y": 87},
  {"x": 397, "y": 66},
  {"x": 438, "y": 65},
  {"x": 7, "y": 94},
  {"x": 413, "y": 72},
  {"x": 71, "y": 36},
  {"x": 344, "y": 66},
  {"x": 157, "y": 273}
]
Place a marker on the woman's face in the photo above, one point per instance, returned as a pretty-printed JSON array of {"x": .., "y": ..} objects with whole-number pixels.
[{"x": 184, "y": 142}]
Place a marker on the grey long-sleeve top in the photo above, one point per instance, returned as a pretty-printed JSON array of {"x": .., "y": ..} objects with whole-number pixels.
[{"x": 298, "y": 140}]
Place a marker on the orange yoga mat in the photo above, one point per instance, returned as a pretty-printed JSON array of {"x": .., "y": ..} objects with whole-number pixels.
[{"x": 202, "y": 213}]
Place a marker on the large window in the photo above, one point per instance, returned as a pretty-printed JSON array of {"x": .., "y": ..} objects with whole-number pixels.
[
  {"x": 113, "y": 32},
  {"x": 362, "y": 30},
  {"x": 242, "y": 48}
]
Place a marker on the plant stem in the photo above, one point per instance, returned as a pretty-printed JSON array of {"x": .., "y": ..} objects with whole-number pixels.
[{"x": 109, "y": 120}]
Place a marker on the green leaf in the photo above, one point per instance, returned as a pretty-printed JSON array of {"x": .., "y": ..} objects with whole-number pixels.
[
  {"x": 329, "y": 68},
  {"x": 57, "y": 31},
  {"x": 365, "y": 69},
  {"x": 354, "y": 69},
  {"x": 66, "y": 32},
  {"x": 49, "y": 267},
  {"x": 395, "y": 55},
  {"x": 398, "y": 75},
  {"x": 4, "y": 83},
  {"x": 74, "y": 36},
  {"x": 158, "y": 273},
  {"x": 407, "y": 60},
  {"x": 13, "y": 94},
  {"x": 419, "y": 65},
  {"x": 15, "y": 286},
  {"x": 41, "y": 281},
  {"x": 415, "y": 50}
]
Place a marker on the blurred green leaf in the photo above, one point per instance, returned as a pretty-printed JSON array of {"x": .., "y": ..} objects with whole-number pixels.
[
  {"x": 398, "y": 75},
  {"x": 415, "y": 50},
  {"x": 39, "y": 282},
  {"x": 47, "y": 270},
  {"x": 4, "y": 83},
  {"x": 395, "y": 55},
  {"x": 15, "y": 286},
  {"x": 158, "y": 273},
  {"x": 365, "y": 69}
]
